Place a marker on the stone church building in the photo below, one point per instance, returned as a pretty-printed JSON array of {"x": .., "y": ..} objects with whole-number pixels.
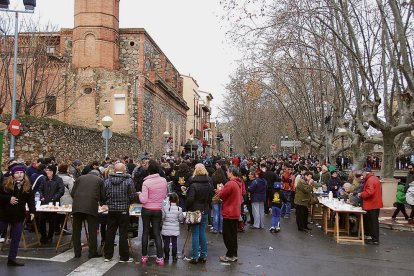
[{"x": 122, "y": 73}]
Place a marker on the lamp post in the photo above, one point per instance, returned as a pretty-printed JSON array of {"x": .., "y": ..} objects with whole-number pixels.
[
  {"x": 166, "y": 135},
  {"x": 107, "y": 133},
  {"x": 342, "y": 132},
  {"x": 29, "y": 6},
  {"x": 191, "y": 146}
]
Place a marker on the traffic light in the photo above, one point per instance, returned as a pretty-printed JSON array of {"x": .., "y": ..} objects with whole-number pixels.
[
  {"x": 29, "y": 4},
  {"x": 4, "y": 4}
]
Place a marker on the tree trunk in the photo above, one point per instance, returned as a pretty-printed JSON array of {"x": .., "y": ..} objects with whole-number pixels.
[
  {"x": 388, "y": 159},
  {"x": 358, "y": 156}
]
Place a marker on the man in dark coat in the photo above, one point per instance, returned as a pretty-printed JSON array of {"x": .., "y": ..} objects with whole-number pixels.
[
  {"x": 87, "y": 193},
  {"x": 270, "y": 178},
  {"x": 51, "y": 189}
]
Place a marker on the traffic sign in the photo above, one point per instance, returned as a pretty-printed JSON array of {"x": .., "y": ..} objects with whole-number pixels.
[
  {"x": 14, "y": 127},
  {"x": 290, "y": 144},
  {"x": 107, "y": 133}
]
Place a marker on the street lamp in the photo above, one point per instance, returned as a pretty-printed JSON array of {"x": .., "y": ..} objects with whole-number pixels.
[
  {"x": 191, "y": 146},
  {"x": 29, "y": 6},
  {"x": 107, "y": 133},
  {"x": 284, "y": 147},
  {"x": 166, "y": 135},
  {"x": 342, "y": 132},
  {"x": 310, "y": 145}
]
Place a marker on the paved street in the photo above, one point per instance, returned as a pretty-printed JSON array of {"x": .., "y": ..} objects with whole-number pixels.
[{"x": 293, "y": 253}]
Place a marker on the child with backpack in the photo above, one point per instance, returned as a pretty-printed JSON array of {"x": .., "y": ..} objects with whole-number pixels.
[
  {"x": 278, "y": 198},
  {"x": 172, "y": 214}
]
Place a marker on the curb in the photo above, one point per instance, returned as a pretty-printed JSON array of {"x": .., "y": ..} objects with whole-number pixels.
[{"x": 397, "y": 227}]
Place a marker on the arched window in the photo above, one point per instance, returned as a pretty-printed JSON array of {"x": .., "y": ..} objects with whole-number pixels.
[{"x": 89, "y": 45}]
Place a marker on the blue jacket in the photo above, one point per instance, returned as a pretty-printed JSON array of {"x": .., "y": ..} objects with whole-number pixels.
[{"x": 257, "y": 190}]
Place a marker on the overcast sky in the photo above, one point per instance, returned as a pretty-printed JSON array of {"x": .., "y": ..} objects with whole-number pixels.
[{"x": 187, "y": 31}]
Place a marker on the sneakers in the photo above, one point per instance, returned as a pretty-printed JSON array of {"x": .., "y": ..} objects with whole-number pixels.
[
  {"x": 372, "y": 242},
  {"x": 228, "y": 259},
  {"x": 2, "y": 240},
  {"x": 277, "y": 229},
  {"x": 144, "y": 259},
  {"x": 108, "y": 260},
  {"x": 130, "y": 260},
  {"x": 160, "y": 261},
  {"x": 272, "y": 229}
]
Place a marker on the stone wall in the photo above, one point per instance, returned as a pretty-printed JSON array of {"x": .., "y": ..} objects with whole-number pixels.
[{"x": 42, "y": 137}]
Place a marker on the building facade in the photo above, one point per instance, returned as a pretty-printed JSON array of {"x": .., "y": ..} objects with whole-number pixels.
[
  {"x": 199, "y": 135},
  {"x": 122, "y": 73}
]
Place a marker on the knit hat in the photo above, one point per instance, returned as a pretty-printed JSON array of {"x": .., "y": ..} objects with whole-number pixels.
[
  {"x": 18, "y": 168},
  {"x": 53, "y": 168},
  {"x": 76, "y": 162}
]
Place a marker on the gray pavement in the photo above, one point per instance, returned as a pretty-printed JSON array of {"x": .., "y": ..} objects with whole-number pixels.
[{"x": 291, "y": 253}]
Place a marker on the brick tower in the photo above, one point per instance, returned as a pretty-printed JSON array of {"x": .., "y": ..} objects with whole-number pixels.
[{"x": 96, "y": 33}]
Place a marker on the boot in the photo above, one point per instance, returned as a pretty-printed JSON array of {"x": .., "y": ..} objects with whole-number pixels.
[
  {"x": 166, "y": 254},
  {"x": 174, "y": 255}
]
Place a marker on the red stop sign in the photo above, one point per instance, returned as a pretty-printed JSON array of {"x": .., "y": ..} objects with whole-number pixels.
[{"x": 14, "y": 127}]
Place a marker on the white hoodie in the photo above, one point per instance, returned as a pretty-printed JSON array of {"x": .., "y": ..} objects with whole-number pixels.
[{"x": 409, "y": 197}]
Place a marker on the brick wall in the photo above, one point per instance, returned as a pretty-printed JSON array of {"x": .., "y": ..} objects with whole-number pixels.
[{"x": 41, "y": 137}]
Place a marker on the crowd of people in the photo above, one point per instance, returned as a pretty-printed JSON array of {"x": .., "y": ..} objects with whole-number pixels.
[{"x": 230, "y": 193}]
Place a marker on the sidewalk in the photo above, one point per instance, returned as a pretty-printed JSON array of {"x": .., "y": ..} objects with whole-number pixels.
[{"x": 399, "y": 224}]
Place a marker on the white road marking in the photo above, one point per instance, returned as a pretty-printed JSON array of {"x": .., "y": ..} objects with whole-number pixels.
[
  {"x": 63, "y": 257},
  {"x": 95, "y": 266},
  {"x": 35, "y": 259}
]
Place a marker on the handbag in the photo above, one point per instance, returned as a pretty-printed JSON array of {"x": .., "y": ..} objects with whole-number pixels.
[
  {"x": 216, "y": 199},
  {"x": 193, "y": 217}
]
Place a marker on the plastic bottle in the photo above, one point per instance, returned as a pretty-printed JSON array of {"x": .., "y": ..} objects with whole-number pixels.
[
  {"x": 37, "y": 197},
  {"x": 330, "y": 196}
]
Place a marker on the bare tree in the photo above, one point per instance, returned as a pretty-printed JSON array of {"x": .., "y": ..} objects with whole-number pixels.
[
  {"x": 362, "y": 51},
  {"x": 43, "y": 73}
]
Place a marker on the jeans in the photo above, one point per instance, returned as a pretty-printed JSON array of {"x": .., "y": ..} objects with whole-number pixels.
[
  {"x": 154, "y": 218},
  {"x": 230, "y": 236},
  {"x": 286, "y": 206},
  {"x": 199, "y": 238},
  {"x": 115, "y": 220},
  {"x": 217, "y": 217},
  {"x": 276, "y": 211},
  {"x": 77, "y": 229},
  {"x": 258, "y": 214},
  {"x": 15, "y": 235}
]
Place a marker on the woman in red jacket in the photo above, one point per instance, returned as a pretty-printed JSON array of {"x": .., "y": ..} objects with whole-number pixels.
[{"x": 231, "y": 195}]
